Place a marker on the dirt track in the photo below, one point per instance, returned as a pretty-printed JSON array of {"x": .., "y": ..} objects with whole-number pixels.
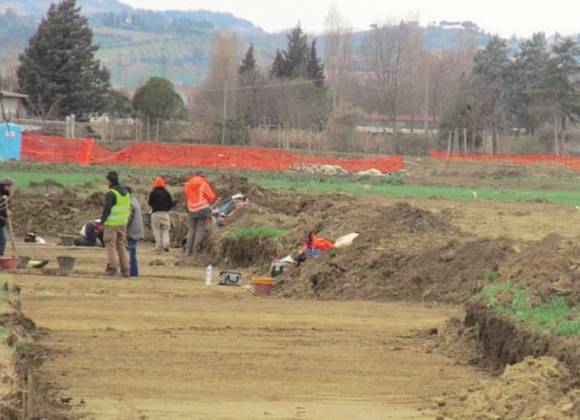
[{"x": 161, "y": 348}]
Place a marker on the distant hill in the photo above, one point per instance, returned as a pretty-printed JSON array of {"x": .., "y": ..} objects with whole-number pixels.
[
  {"x": 137, "y": 44},
  {"x": 38, "y": 8}
]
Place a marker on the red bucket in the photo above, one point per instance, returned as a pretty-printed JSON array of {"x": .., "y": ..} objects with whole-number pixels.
[{"x": 9, "y": 263}]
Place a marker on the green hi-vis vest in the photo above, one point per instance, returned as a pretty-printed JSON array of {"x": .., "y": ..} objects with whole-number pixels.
[{"x": 121, "y": 211}]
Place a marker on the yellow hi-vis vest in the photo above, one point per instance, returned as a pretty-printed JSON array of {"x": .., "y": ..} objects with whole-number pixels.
[{"x": 121, "y": 211}]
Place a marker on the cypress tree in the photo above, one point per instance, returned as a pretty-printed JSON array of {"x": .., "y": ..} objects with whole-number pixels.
[
  {"x": 249, "y": 64},
  {"x": 58, "y": 69},
  {"x": 315, "y": 69},
  {"x": 279, "y": 66}
]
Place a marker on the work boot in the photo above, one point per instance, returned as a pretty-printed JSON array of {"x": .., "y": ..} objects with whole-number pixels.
[
  {"x": 125, "y": 274},
  {"x": 110, "y": 272}
]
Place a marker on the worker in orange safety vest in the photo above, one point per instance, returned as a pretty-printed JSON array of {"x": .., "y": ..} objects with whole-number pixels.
[{"x": 199, "y": 195}]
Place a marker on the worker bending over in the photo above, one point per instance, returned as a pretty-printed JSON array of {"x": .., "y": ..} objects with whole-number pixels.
[{"x": 200, "y": 196}]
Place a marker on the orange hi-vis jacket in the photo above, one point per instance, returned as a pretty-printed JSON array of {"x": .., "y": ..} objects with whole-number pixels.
[{"x": 199, "y": 194}]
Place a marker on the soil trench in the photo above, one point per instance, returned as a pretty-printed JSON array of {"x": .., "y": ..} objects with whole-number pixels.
[{"x": 161, "y": 348}]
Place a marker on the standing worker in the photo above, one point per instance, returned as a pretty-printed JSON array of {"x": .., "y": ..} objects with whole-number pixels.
[
  {"x": 161, "y": 203},
  {"x": 199, "y": 195},
  {"x": 115, "y": 219},
  {"x": 5, "y": 186},
  {"x": 135, "y": 233}
]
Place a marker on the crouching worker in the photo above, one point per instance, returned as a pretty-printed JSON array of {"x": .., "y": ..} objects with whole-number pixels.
[
  {"x": 199, "y": 195},
  {"x": 115, "y": 219},
  {"x": 91, "y": 234},
  {"x": 135, "y": 233}
]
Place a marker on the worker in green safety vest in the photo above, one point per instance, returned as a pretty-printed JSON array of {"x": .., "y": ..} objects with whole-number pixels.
[{"x": 114, "y": 220}]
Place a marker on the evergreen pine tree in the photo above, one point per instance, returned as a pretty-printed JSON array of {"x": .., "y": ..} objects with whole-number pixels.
[
  {"x": 58, "y": 69},
  {"x": 278, "y": 66},
  {"x": 297, "y": 54},
  {"x": 527, "y": 73},
  {"x": 249, "y": 64},
  {"x": 315, "y": 69}
]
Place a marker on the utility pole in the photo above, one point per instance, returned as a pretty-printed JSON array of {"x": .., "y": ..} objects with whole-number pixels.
[
  {"x": 225, "y": 112},
  {"x": 426, "y": 122}
]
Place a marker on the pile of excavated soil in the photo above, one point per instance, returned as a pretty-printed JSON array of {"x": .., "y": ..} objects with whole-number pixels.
[
  {"x": 533, "y": 389},
  {"x": 403, "y": 253},
  {"x": 63, "y": 212},
  {"x": 551, "y": 267}
]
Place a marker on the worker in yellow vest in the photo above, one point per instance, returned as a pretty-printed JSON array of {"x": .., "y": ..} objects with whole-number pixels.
[{"x": 114, "y": 220}]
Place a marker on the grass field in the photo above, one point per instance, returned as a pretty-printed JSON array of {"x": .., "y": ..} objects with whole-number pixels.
[{"x": 393, "y": 186}]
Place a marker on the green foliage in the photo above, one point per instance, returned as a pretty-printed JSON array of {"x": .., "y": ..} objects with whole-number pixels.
[
  {"x": 23, "y": 348},
  {"x": 554, "y": 317},
  {"x": 539, "y": 86},
  {"x": 490, "y": 275},
  {"x": 118, "y": 104},
  {"x": 236, "y": 132},
  {"x": 299, "y": 60},
  {"x": 256, "y": 232},
  {"x": 158, "y": 100},
  {"x": 248, "y": 68},
  {"x": 59, "y": 71}
]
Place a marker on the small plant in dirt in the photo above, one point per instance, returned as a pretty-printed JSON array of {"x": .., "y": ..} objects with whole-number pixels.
[
  {"x": 556, "y": 316},
  {"x": 256, "y": 232},
  {"x": 23, "y": 347},
  {"x": 490, "y": 276}
]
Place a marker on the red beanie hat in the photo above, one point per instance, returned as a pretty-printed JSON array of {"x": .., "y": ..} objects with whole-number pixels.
[{"x": 159, "y": 182}]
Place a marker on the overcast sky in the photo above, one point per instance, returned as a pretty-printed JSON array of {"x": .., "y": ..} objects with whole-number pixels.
[{"x": 504, "y": 17}]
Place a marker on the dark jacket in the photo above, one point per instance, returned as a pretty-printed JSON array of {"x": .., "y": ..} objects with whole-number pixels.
[
  {"x": 111, "y": 201},
  {"x": 160, "y": 200},
  {"x": 4, "y": 194}
]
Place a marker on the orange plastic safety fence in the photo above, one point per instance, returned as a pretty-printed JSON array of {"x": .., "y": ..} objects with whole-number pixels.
[
  {"x": 86, "y": 151},
  {"x": 572, "y": 162}
]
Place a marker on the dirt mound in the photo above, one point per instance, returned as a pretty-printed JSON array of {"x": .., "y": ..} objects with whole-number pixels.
[
  {"x": 533, "y": 389},
  {"x": 405, "y": 218},
  {"x": 63, "y": 212},
  {"x": 404, "y": 253},
  {"x": 247, "y": 252},
  {"x": 551, "y": 267}
]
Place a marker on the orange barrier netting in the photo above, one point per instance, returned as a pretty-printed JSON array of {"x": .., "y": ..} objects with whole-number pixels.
[
  {"x": 572, "y": 162},
  {"x": 40, "y": 148}
]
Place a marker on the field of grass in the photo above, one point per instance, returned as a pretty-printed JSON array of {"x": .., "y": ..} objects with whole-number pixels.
[
  {"x": 256, "y": 232},
  {"x": 392, "y": 186},
  {"x": 556, "y": 316}
]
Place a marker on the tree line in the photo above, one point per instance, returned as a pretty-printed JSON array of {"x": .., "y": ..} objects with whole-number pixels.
[
  {"x": 486, "y": 93},
  {"x": 536, "y": 90}
]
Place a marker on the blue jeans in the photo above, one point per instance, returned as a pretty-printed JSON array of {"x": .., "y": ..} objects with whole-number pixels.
[
  {"x": 3, "y": 239},
  {"x": 133, "y": 263}
]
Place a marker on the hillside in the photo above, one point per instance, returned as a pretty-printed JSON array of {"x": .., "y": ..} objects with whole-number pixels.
[
  {"x": 38, "y": 8},
  {"x": 138, "y": 44}
]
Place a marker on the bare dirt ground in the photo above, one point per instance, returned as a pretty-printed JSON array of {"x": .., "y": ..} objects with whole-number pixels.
[{"x": 165, "y": 348}]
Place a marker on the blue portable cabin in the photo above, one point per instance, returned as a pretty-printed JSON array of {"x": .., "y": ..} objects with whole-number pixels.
[{"x": 10, "y": 141}]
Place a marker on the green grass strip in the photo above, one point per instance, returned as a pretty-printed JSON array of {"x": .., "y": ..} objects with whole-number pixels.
[
  {"x": 556, "y": 316},
  {"x": 256, "y": 232}
]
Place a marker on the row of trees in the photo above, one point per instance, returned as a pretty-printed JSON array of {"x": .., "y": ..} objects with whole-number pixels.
[
  {"x": 536, "y": 89},
  {"x": 239, "y": 94},
  {"x": 386, "y": 71}
]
